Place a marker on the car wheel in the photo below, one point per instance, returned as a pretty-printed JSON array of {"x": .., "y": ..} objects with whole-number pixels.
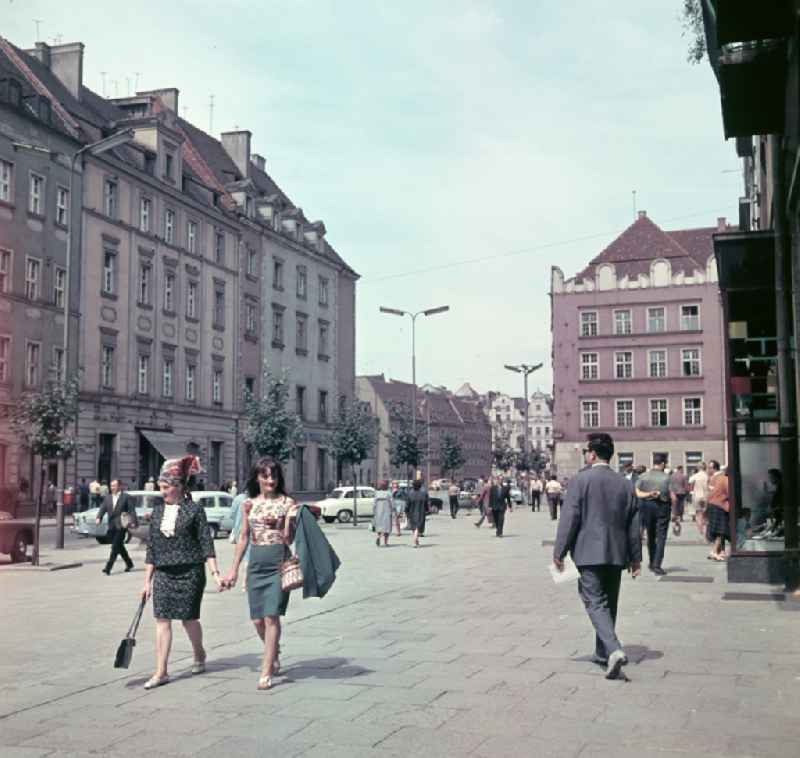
[
  {"x": 329, "y": 519},
  {"x": 345, "y": 517},
  {"x": 19, "y": 553},
  {"x": 214, "y": 530}
]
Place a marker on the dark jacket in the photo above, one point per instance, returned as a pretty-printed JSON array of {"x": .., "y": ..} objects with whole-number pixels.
[
  {"x": 493, "y": 498},
  {"x": 318, "y": 560},
  {"x": 192, "y": 542},
  {"x": 599, "y": 522},
  {"x": 124, "y": 504}
]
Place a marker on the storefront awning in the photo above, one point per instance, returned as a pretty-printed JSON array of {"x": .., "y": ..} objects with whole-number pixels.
[
  {"x": 745, "y": 260},
  {"x": 169, "y": 445}
]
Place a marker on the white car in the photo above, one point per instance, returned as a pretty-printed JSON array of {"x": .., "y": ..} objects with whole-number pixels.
[
  {"x": 338, "y": 505},
  {"x": 218, "y": 510}
]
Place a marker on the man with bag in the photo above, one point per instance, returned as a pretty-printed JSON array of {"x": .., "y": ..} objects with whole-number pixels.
[{"x": 119, "y": 508}]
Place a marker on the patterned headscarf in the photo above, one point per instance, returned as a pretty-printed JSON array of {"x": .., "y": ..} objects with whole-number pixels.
[{"x": 179, "y": 470}]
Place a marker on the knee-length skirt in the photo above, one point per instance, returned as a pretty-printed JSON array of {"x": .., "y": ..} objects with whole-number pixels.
[
  {"x": 718, "y": 523},
  {"x": 264, "y": 593},
  {"x": 178, "y": 591}
]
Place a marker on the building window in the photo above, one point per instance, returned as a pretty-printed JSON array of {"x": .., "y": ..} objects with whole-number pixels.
[
  {"x": 252, "y": 261},
  {"x": 167, "y": 377},
  {"x": 277, "y": 274},
  {"x": 107, "y": 367},
  {"x": 169, "y": 166},
  {"x": 249, "y": 386},
  {"x": 143, "y": 374},
  {"x": 169, "y": 226},
  {"x": 323, "y": 339},
  {"x": 191, "y": 236},
  {"x": 622, "y": 322},
  {"x": 624, "y": 413},
  {"x": 657, "y": 364},
  {"x": 302, "y": 282},
  {"x": 33, "y": 271},
  {"x": 658, "y": 412},
  {"x": 58, "y": 364},
  {"x": 219, "y": 308},
  {"x": 5, "y": 355},
  {"x": 219, "y": 248},
  {"x": 302, "y": 334},
  {"x": 109, "y": 272},
  {"x": 693, "y": 460},
  {"x": 251, "y": 318},
  {"x": 277, "y": 327},
  {"x": 690, "y": 361},
  {"x": 190, "y": 377},
  {"x": 323, "y": 406},
  {"x": 589, "y": 366},
  {"x": 590, "y": 414},
  {"x": 145, "y": 272},
  {"x": 145, "y": 213},
  {"x": 169, "y": 292},
  {"x": 623, "y": 461},
  {"x": 693, "y": 411},
  {"x": 5, "y": 270},
  {"x": 656, "y": 319},
  {"x": 191, "y": 300},
  {"x": 6, "y": 173},
  {"x": 110, "y": 192},
  {"x": 589, "y": 324},
  {"x": 323, "y": 291},
  {"x": 623, "y": 365},
  {"x": 59, "y": 287},
  {"x": 62, "y": 206},
  {"x": 660, "y": 454},
  {"x": 300, "y": 468},
  {"x": 300, "y": 401},
  {"x": 322, "y": 469},
  {"x": 36, "y": 197},
  {"x": 33, "y": 351},
  {"x": 216, "y": 387},
  {"x": 690, "y": 318}
]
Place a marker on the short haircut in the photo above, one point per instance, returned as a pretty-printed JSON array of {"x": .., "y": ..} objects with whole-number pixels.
[
  {"x": 659, "y": 459},
  {"x": 601, "y": 444}
]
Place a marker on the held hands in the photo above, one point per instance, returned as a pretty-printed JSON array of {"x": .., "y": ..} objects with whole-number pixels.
[
  {"x": 229, "y": 582},
  {"x": 221, "y": 585}
]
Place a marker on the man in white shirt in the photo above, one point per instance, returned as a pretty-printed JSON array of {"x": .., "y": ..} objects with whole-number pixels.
[
  {"x": 553, "y": 491},
  {"x": 699, "y": 484},
  {"x": 536, "y": 493}
]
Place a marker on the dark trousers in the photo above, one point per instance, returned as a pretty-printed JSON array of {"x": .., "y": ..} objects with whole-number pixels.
[
  {"x": 678, "y": 508},
  {"x": 598, "y": 588},
  {"x": 536, "y": 500},
  {"x": 499, "y": 520},
  {"x": 552, "y": 501},
  {"x": 655, "y": 518},
  {"x": 453, "y": 505},
  {"x": 118, "y": 548}
]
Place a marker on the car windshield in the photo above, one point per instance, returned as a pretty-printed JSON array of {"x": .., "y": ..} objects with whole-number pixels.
[{"x": 336, "y": 494}]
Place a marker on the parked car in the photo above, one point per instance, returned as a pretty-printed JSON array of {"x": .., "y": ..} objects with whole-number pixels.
[
  {"x": 16, "y": 536},
  {"x": 84, "y": 522},
  {"x": 516, "y": 495},
  {"x": 217, "y": 505},
  {"x": 338, "y": 505}
]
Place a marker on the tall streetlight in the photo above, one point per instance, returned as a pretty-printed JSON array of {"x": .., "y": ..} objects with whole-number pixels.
[
  {"x": 526, "y": 370},
  {"x": 428, "y": 312}
]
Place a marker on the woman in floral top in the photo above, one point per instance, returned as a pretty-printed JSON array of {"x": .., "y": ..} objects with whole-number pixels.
[{"x": 268, "y": 528}]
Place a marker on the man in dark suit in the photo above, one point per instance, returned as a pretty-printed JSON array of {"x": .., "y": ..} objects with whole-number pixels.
[
  {"x": 599, "y": 526},
  {"x": 496, "y": 503},
  {"x": 114, "y": 505}
]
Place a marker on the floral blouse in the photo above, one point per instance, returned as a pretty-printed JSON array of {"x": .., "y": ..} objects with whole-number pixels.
[{"x": 272, "y": 521}]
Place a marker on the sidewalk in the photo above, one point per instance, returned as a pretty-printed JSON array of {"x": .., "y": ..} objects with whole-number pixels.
[{"x": 464, "y": 647}]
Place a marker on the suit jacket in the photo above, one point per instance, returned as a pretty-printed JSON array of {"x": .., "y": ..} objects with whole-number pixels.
[
  {"x": 191, "y": 543},
  {"x": 599, "y": 522},
  {"x": 124, "y": 503},
  {"x": 318, "y": 560},
  {"x": 492, "y": 498}
]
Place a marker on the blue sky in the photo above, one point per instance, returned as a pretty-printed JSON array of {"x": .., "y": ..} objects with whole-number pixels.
[{"x": 430, "y": 134}]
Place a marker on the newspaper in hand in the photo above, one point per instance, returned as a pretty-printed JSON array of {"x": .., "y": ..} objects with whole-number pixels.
[{"x": 569, "y": 574}]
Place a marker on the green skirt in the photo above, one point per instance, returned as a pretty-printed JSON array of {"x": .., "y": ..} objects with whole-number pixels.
[{"x": 264, "y": 591}]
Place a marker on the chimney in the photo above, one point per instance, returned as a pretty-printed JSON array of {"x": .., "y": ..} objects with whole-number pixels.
[
  {"x": 169, "y": 97},
  {"x": 722, "y": 223},
  {"x": 642, "y": 214},
  {"x": 42, "y": 53},
  {"x": 237, "y": 146},
  {"x": 259, "y": 161},
  {"x": 66, "y": 62}
]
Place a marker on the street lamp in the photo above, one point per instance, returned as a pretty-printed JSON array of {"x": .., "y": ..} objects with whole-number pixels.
[
  {"x": 427, "y": 312},
  {"x": 525, "y": 369}
]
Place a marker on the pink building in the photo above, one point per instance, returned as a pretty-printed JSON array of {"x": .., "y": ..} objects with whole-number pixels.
[{"x": 637, "y": 350}]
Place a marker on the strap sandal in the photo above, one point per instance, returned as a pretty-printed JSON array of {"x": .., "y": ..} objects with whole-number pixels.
[{"x": 156, "y": 681}]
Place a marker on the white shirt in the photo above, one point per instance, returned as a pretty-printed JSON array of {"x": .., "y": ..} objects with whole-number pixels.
[
  {"x": 553, "y": 487},
  {"x": 699, "y": 482},
  {"x": 169, "y": 518},
  {"x": 114, "y": 499}
]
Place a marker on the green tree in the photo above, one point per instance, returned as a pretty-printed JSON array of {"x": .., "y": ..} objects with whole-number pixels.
[
  {"x": 405, "y": 448},
  {"x": 692, "y": 23},
  {"x": 41, "y": 419},
  {"x": 451, "y": 453},
  {"x": 355, "y": 432},
  {"x": 502, "y": 455},
  {"x": 272, "y": 428}
]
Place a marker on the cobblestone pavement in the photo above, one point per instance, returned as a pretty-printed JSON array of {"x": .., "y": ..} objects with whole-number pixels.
[{"x": 464, "y": 647}]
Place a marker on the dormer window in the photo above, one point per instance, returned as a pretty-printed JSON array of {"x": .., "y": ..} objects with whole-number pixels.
[{"x": 248, "y": 206}]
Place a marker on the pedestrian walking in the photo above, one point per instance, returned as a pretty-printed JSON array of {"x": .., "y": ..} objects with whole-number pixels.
[
  {"x": 416, "y": 509},
  {"x": 679, "y": 488},
  {"x": 497, "y": 503},
  {"x": 719, "y": 528},
  {"x": 382, "y": 516},
  {"x": 553, "y": 492},
  {"x": 399, "y": 505},
  {"x": 505, "y": 491},
  {"x": 180, "y": 543},
  {"x": 83, "y": 496},
  {"x": 94, "y": 493},
  {"x": 536, "y": 494},
  {"x": 453, "y": 494},
  {"x": 104, "y": 489},
  {"x": 50, "y": 498},
  {"x": 599, "y": 527},
  {"x": 121, "y": 513},
  {"x": 699, "y": 484},
  {"x": 270, "y": 517},
  {"x": 237, "y": 514},
  {"x": 652, "y": 488},
  {"x": 483, "y": 499}
]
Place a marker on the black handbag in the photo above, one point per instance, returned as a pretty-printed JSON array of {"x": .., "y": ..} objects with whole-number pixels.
[{"x": 125, "y": 649}]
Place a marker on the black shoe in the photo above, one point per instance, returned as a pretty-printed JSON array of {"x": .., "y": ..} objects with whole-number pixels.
[
  {"x": 128, "y": 568},
  {"x": 650, "y": 566},
  {"x": 107, "y": 572},
  {"x": 597, "y": 660},
  {"x": 658, "y": 571}
]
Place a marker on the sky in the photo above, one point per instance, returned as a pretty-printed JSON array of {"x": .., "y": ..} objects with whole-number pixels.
[{"x": 456, "y": 151}]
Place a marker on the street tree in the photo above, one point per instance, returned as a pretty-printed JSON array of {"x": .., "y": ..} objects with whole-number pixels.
[
  {"x": 41, "y": 419},
  {"x": 355, "y": 432},
  {"x": 502, "y": 455},
  {"x": 693, "y": 27},
  {"x": 273, "y": 429},
  {"x": 451, "y": 453},
  {"x": 405, "y": 449}
]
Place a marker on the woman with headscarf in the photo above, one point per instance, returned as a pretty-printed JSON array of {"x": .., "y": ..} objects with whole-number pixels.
[
  {"x": 180, "y": 543},
  {"x": 267, "y": 530},
  {"x": 416, "y": 510}
]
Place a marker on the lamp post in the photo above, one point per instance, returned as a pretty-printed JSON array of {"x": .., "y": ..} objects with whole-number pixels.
[{"x": 526, "y": 370}]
